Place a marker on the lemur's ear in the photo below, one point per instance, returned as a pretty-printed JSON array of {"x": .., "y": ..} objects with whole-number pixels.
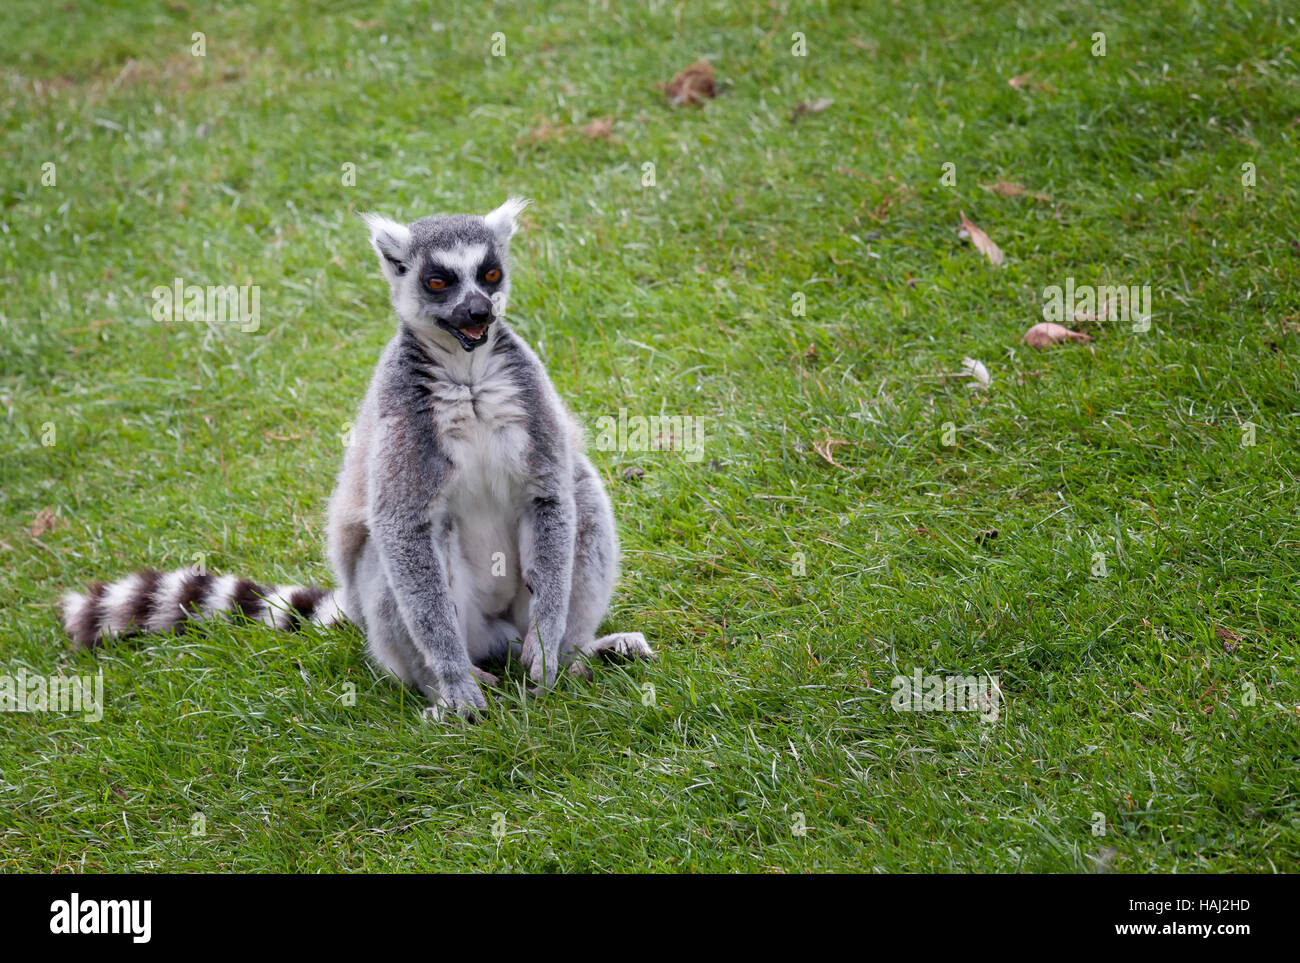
[
  {"x": 504, "y": 221},
  {"x": 391, "y": 241}
]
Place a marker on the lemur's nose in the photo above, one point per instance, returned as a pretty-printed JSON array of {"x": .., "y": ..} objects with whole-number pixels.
[{"x": 474, "y": 310}]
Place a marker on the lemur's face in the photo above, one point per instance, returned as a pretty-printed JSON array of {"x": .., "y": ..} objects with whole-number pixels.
[{"x": 449, "y": 274}]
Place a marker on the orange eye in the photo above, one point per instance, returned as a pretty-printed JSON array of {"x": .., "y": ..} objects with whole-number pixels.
[
  {"x": 492, "y": 276},
  {"x": 436, "y": 284}
]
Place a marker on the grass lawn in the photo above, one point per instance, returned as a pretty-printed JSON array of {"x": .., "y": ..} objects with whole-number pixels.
[{"x": 1137, "y": 606}]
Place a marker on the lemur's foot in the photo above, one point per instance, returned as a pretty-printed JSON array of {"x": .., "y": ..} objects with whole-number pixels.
[
  {"x": 580, "y": 670},
  {"x": 460, "y": 697},
  {"x": 620, "y": 645},
  {"x": 487, "y": 678}
]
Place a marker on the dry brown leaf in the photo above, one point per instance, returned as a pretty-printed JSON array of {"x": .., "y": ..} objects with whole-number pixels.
[
  {"x": 93, "y": 326},
  {"x": 599, "y": 129},
  {"x": 1045, "y": 334},
  {"x": 694, "y": 85},
  {"x": 1287, "y": 324},
  {"x": 825, "y": 446},
  {"x": 544, "y": 131},
  {"x": 1228, "y": 637},
  {"x": 900, "y": 194},
  {"x": 116, "y": 789},
  {"x": 1021, "y": 81},
  {"x": 813, "y": 107},
  {"x": 43, "y": 522},
  {"x": 1012, "y": 189},
  {"x": 983, "y": 243}
]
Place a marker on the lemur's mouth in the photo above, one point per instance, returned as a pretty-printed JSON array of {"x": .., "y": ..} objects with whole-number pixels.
[{"x": 471, "y": 336}]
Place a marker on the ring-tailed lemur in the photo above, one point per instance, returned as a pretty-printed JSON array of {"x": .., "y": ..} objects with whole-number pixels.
[{"x": 466, "y": 516}]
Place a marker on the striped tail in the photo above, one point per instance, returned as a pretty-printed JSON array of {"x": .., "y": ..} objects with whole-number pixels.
[{"x": 152, "y": 601}]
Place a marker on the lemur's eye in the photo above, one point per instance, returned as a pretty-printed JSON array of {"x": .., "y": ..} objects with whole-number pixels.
[
  {"x": 436, "y": 284},
  {"x": 492, "y": 276}
]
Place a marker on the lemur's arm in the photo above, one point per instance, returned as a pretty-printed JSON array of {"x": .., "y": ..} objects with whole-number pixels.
[
  {"x": 547, "y": 531},
  {"x": 406, "y": 472}
]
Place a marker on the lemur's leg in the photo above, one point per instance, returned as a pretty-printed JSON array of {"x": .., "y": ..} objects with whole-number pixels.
[
  {"x": 369, "y": 598},
  {"x": 387, "y": 637},
  {"x": 404, "y": 525},
  {"x": 391, "y": 646},
  {"x": 389, "y": 643},
  {"x": 595, "y": 568}
]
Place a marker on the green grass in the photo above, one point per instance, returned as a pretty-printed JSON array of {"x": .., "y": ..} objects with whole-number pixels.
[{"x": 772, "y": 692}]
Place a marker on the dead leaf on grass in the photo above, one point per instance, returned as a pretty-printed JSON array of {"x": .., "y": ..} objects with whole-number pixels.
[
  {"x": 1045, "y": 334},
  {"x": 44, "y": 521},
  {"x": 1012, "y": 189},
  {"x": 1021, "y": 81},
  {"x": 694, "y": 85},
  {"x": 981, "y": 241},
  {"x": 544, "y": 131},
  {"x": 810, "y": 107},
  {"x": 1228, "y": 637},
  {"x": 599, "y": 129},
  {"x": 826, "y": 445}
]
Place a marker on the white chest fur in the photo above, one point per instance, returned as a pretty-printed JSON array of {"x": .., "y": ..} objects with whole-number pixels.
[{"x": 482, "y": 428}]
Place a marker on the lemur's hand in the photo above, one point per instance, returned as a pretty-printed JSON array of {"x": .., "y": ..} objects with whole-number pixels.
[{"x": 542, "y": 662}]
